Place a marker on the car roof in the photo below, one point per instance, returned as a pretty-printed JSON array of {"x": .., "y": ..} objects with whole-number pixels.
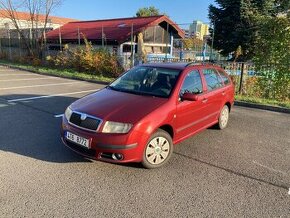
[{"x": 178, "y": 65}]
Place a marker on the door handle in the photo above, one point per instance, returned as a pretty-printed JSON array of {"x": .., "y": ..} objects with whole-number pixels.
[
  {"x": 204, "y": 100},
  {"x": 223, "y": 93}
]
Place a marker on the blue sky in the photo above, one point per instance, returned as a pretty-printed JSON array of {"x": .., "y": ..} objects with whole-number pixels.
[{"x": 180, "y": 11}]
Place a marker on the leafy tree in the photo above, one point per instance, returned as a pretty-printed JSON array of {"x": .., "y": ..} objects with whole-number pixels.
[
  {"x": 272, "y": 57},
  {"x": 233, "y": 27},
  {"x": 237, "y": 22},
  {"x": 190, "y": 43},
  {"x": 147, "y": 11},
  {"x": 39, "y": 12}
]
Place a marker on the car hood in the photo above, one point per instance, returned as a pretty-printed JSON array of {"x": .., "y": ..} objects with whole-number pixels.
[{"x": 117, "y": 106}]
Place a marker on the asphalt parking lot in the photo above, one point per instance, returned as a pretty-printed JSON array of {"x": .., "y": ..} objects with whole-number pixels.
[{"x": 243, "y": 170}]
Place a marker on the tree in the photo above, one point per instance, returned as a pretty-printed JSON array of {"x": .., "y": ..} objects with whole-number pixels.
[
  {"x": 272, "y": 57},
  {"x": 39, "y": 11},
  {"x": 147, "y": 11},
  {"x": 237, "y": 22},
  {"x": 191, "y": 43},
  {"x": 232, "y": 27}
]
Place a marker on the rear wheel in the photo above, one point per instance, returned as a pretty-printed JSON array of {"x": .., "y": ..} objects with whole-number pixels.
[
  {"x": 158, "y": 150},
  {"x": 224, "y": 117}
]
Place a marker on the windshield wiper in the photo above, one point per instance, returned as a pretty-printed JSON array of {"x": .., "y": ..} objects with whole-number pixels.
[{"x": 136, "y": 92}]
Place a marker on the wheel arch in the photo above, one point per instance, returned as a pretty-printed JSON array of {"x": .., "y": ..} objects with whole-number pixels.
[
  {"x": 169, "y": 129},
  {"x": 229, "y": 105}
]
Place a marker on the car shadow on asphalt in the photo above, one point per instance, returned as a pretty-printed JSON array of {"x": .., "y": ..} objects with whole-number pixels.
[{"x": 30, "y": 128}]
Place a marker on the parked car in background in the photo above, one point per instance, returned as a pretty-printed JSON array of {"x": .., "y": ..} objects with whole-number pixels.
[{"x": 146, "y": 111}]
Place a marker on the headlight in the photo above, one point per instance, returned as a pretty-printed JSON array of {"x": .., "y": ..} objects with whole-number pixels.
[
  {"x": 68, "y": 112},
  {"x": 115, "y": 127}
]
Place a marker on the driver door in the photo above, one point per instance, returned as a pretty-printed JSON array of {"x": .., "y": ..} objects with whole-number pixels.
[{"x": 191, "y": 115}]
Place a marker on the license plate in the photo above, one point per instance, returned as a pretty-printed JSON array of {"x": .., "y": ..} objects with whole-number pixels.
[{"x": 78, "y": 139}]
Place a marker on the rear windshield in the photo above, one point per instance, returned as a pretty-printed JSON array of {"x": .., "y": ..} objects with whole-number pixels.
[{"x": 151, "y": 81}]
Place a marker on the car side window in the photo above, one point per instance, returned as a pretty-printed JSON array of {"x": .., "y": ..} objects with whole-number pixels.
[
  {"x": 192, "y": 83},
  {"x": 213, "y": 80},
  {"x": 224, "y": 77}
]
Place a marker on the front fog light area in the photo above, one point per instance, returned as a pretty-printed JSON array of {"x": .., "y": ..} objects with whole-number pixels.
[
  {"x": 117, "y": 156},
  {"x": 115, "y": 127}
]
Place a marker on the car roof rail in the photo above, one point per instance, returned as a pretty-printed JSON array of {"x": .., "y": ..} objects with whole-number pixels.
[{"x": 193, "y": 63}]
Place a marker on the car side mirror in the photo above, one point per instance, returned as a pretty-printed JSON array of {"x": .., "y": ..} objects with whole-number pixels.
[{"x": 189, "y": 97}]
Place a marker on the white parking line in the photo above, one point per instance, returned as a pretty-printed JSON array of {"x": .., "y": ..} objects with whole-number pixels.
[
  {"x": 40, "y": 78},
  {"x": 17, "y": 74},
  {"x": 269, "y": 168},
  {"x": 54, "y": 84},
  {"x": 58, "y": 115},
  {"x": 51, "y": 96}
]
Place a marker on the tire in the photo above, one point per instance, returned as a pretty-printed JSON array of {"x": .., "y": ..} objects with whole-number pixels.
[
  {"x": 223, "y": 118},
  {"x": 158, "y": 150}
]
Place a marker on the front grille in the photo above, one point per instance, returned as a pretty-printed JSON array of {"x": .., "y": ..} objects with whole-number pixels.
[{"x": 89, "y": 122}]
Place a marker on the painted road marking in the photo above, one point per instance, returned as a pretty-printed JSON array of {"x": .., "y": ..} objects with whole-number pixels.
[
  {"x": 269, "y": 168},
  {"x": 40, "y": 78},
  {"x": 51, "y": 96},
  {"x": 58, "y": 115},
  {"x": 17, "y": 74},
  {"x": 23, "y": 87}
]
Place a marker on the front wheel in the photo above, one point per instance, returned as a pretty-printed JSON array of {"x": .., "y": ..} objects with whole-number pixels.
[
  {"x": 158, "y": 150},
  {"x": 224, "y": 117}
]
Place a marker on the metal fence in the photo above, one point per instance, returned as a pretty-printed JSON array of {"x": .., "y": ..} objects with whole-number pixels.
[{"x": 14, "y": 49}]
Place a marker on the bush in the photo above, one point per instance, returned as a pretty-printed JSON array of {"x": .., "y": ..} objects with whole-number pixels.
[
  {"x": 273, "y": 54},
  {"x": 87, "y": 59}
]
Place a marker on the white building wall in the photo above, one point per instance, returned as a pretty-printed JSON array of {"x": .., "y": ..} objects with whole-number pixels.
[{"x": 6, "y": 23}]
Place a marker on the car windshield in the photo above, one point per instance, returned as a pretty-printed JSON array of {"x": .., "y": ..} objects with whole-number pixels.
[{"x": 152, "y": 81}]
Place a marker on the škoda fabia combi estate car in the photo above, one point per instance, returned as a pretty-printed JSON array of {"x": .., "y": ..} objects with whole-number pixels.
[{"x": 146, "y": 111}]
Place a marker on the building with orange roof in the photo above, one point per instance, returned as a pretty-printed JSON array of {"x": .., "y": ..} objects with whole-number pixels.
[{"x": 24, "y": 21}]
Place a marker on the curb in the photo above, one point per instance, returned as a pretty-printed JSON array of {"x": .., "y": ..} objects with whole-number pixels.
[
  {"x": 263, "y": 107},
  {"x": 47, "y": 74}
]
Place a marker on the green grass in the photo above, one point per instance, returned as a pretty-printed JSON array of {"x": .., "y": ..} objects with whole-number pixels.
[
  {"x": 263, "y": 101},
  {"x": 67, "y": 73}
]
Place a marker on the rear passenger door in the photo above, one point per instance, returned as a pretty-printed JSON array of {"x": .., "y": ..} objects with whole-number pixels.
[{"x": 214, "y": 95}]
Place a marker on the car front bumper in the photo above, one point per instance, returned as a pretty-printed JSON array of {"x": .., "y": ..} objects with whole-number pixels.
[{"x": 103, "y": 146}]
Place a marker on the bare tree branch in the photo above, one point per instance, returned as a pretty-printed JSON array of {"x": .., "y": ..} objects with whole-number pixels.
[{"x": 39, "y": 12}]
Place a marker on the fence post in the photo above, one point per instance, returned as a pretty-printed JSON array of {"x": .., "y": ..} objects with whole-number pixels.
[
  {"x": 19, "y": 45},
  {"x": 9, "y": 43},
  {"x": 166, "y": 46},
  {"x": 79, "y": 37},
  {"x": 241, "y": 80},
  {"x": 132, "y": 50}
]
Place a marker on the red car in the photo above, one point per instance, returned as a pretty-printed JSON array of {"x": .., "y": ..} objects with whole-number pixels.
[{"x": 147, "y": 110}]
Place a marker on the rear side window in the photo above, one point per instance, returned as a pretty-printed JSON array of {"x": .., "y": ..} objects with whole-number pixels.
[
  {"x": 213, "y": 80},
  {"x": 224, "y": 77},
  {"x": 192, "y": 83}
]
